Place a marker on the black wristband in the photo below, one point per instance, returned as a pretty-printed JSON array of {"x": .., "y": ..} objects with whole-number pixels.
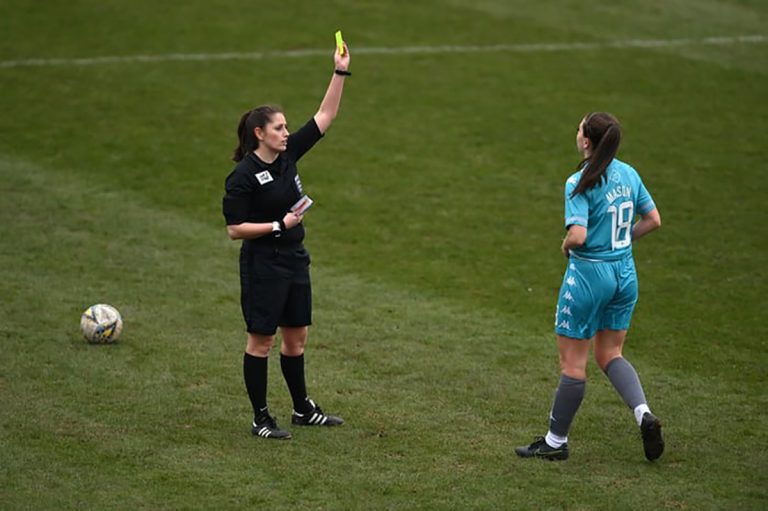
[
  {"x": 282, "y": 225},
  {"x": 342, "y": 72}
]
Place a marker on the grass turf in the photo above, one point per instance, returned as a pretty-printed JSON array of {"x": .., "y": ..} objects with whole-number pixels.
[{"x": 435, "y": 262}]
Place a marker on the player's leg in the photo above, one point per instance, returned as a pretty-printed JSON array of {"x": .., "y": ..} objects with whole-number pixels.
[
  {"x": 608, "y": 354},
  {"x": 574, "y": 354},
  {"x": 624, "y": 378},
  {"x": 574, "y": 325},
  {"x": 609, "y": 345},
  {"x": 579, "y": 307},
  {"x": 568, "y": 397}
]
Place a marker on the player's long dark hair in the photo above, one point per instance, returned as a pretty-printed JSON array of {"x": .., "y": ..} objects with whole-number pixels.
[
  {"x": 604, "y": 133},
  {"x": 256, "y": 118}
]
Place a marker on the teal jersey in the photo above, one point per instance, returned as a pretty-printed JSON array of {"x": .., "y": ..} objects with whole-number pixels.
[{"x": 607, "y": 211}]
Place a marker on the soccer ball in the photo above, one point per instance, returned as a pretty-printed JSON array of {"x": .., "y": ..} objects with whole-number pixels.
[{"x": 101, "y": 324}]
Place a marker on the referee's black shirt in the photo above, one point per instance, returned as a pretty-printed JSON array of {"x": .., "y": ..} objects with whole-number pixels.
[{"x": 260, "y": 192}]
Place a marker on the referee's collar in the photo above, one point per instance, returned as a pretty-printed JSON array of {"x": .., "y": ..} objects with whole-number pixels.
[{"x": 264, "y": 165}]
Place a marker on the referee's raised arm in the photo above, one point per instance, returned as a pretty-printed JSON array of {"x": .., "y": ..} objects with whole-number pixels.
[{"x": 329, "y": 107}]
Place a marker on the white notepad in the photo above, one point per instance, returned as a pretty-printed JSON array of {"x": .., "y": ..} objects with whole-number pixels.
[{"x": 302, "y": 205}]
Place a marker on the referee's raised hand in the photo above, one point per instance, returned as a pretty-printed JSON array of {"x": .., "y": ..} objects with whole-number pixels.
[
  {"x": 329, "y": 107},
  {"x": 342, "y": 61}
]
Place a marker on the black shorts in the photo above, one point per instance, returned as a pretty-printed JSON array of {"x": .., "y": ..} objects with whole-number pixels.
[{"x": 275, "y": 290}]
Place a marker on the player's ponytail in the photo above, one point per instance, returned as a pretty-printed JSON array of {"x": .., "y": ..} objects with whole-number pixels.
[
  {"x": 249, "y": 121},
  {"x": 604, "y": 133}
]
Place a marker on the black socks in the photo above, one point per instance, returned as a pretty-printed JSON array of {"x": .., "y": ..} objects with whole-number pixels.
[
  {"x": 255, "y": 374},
  {"x": 293, "y": 372}
]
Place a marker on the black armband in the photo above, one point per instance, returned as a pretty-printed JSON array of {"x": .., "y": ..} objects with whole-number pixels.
[{"x": 342, "y": 72}]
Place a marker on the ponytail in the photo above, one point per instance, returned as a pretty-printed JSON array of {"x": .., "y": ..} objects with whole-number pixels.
[
  {"x": 239, "y": 153},
  {"x": 604, "y": 132},
  {"x": 249, "y": 121}
]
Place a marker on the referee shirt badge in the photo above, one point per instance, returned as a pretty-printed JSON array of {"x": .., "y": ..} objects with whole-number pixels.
[
  {"x": 298, "y": 184},
  {"x": 264, "y": 177}
]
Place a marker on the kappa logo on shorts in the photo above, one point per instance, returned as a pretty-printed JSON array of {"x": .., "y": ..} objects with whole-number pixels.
[{"x": 264, "y": 177}]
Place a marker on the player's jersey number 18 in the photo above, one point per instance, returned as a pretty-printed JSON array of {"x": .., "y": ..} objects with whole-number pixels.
[{"x": 621, "y": 224}]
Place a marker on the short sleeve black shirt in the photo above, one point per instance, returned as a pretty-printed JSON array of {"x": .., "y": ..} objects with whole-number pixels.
[{"x": 260, "y": 192}]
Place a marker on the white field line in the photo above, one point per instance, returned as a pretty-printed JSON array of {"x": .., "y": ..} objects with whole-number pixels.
[{"x": 404, "y": 50}]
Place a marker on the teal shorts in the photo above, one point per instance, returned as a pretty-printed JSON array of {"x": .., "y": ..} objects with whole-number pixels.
[{"x": 596, "y": 295}]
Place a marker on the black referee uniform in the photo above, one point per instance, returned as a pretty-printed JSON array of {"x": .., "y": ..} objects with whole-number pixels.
[
  {"x": 274, "y": 266},
  {"x": 274, "y": 269}
]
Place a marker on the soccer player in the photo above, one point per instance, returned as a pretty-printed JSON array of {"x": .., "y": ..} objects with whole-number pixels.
[
  {"x": 599, "y": 288},
  {"x": 274, "y": 265}
]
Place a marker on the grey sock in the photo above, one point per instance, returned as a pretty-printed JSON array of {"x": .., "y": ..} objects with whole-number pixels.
[
  {"x": 568, "y": 397},
  {"x": 626, "y": 382}
]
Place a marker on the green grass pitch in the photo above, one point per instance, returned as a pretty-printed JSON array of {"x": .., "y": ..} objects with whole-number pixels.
[{"x": 434, "y": 240}]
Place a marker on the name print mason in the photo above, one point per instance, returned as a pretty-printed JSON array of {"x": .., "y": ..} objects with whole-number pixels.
[{"x": 619, "y": 191}]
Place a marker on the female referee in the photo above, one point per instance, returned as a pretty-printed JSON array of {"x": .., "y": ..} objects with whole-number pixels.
[
  {"x": 599, "y": 288},
  {"x": 274, "y": 266}
]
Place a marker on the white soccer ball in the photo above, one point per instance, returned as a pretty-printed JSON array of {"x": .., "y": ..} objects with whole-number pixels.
[{"x": 101, "y": 324}]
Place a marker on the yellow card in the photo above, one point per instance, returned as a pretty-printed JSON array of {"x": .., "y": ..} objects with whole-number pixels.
[{"x": 339, "y": 43}]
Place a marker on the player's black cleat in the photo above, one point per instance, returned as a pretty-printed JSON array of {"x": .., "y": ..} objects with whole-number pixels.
[
  {"x": 265, "y": 426},
  {"x": 540, "y": 449},
  {"x": 315, "y": 417},
  {"x": 653, "y": 442}
]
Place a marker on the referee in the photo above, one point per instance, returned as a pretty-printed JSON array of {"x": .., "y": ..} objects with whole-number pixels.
[{"x": 274, "y": 265}]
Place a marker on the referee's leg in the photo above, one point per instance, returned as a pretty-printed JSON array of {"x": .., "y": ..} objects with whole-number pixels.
[
  {"x": 294, "y": 340},
  {"x": 255, "y": 370},
  {"x": 292, "y": 365},
  {"x": 259, "y": 345},
  {"x": 305, "y": 411}
]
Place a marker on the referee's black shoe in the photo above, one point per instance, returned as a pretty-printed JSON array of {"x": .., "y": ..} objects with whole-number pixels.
[
  {"x": 653, "y": 442},
  {"x": 265, "y": 426},
  {"x": 315, "y": 417},
  {"x": 540, "y": 449}
]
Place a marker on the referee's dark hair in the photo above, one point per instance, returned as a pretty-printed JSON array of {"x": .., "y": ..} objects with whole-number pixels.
[
  {"x": 604, "y": 132},
  {"x": 256, "y": 118}
]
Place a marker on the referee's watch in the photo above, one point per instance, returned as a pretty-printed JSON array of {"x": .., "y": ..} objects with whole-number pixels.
[{"x": 276, "y": 229}]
